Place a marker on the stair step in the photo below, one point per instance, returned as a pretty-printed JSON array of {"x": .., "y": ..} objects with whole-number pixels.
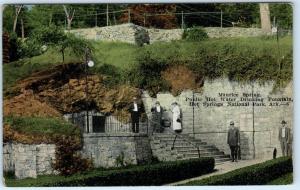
[{"x": 206, "y": 155}]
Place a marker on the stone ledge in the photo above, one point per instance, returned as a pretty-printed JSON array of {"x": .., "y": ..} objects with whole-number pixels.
[{"x": 95, "y": 135}]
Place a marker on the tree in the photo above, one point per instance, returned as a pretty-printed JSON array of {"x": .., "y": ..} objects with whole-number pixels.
[
  {"x": 265, "y": 17},
  {"x": 57, "y": 38},
  {"x": 70, "y": 15},
  {"x": 18, "y": 9}
]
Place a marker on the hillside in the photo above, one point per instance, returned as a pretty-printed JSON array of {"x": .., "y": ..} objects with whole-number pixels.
[{"x": 121, "y": 69}]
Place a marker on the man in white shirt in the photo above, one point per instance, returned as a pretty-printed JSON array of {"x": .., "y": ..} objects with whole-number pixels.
[{"x": 284, "y": 137}]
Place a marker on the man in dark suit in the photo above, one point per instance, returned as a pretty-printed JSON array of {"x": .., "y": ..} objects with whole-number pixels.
[
  {"x": 284, "y": 138},
  {"x": 233, "y": 140},
  {"x": 135, "y": 109},
  {"x": 157, "y": 113}
]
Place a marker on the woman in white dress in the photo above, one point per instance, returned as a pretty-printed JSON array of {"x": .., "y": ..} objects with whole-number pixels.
[{"x": 176, "y": 124}]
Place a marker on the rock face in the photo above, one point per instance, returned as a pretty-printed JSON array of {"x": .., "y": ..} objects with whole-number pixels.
[
  {"x": 139, "y": 35},
  {"x": 62, "y": 90}
]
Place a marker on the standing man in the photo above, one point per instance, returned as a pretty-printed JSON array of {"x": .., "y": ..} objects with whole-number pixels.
[
  {"x": 135, "y": 110},
  {"x": 284, "y": 138},
  {"x": 233, "y": 140},
  {"x": 157, "y": 113}
]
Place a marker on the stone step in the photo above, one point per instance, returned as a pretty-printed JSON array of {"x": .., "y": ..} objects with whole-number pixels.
[
  {"x": 201, "y": 151},
  {"x": 205, "y": 155},
  {"x": 217, "y": 160}
]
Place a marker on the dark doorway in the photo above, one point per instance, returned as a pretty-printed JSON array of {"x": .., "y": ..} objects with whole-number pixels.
[{"x": 99, "y": 124}]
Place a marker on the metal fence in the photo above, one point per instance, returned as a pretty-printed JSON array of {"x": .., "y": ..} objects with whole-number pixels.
[{"x": 100, "y": 123}]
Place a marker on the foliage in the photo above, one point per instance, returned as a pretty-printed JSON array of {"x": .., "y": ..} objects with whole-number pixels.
[
  {"x": 283, "y": 13},
  {"x": 55, "y": 36},
  {"x": 138, "y": 17},
  {"x": 194, "y": 34},
  {"x": 257, "y": 174},
  {"x": 67, "y": 160},
  {"x": 147, "y": 74},
  {"x": 156, "y": 174},
  {"x": 120, "y": 160}
]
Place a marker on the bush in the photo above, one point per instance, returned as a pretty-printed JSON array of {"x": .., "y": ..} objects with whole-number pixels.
[
  {"x": 147, "y": 74},
  {"x": 156, "y": 174},
  {"x": 194, "y": 34},
  {"x": 257, "y": 174},
  {"x": 67, "y": 160}
]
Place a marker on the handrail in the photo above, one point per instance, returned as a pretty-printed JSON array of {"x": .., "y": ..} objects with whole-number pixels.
[{"x": 176, "y": 135}]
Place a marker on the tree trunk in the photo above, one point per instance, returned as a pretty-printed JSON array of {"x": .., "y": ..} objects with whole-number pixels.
[
  {"x": 18, "y": 9},
  {"x": 265, "y": 17},
  {"x": 22, "y": 29},
  {"x": 63, "y": 55},
  {"x": 69, "y": 17}
]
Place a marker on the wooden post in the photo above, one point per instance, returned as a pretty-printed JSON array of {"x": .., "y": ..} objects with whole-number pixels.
[
  {"x": 106, "y": 14},
  {"x": 96, "y": 20},
  {"x": 129, "y": 16},
  {"x": 182, "y": 21},
  {"x": 221, "y": 19}
]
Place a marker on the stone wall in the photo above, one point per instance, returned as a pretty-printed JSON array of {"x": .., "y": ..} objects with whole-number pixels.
[
  {"x": 134, "y": 34},
  {"x": 258, "y": 124},
  {"x": 128, "y": 33},
  {"x": 104, "y": 149},
  {"x": 28, "y": 160}
]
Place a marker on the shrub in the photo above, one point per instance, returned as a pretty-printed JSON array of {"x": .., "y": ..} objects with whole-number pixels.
[
  {"x": 195, "y": 34},
  {"x": 67, "y": 160},
  {"x": 156, "y": 174},
  {"x": 257, "y": 174},
  {"x": 147, "y": 74}
]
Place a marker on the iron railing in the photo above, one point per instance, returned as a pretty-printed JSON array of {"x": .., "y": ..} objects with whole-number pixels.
[{"x": 99, "y": 123}]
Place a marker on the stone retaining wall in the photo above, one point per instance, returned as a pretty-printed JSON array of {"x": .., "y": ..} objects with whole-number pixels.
[
  {"x": 212, "y": 122},
  {"x": 104, "y": 149},
  {"x": 28, "y": 160},
  {"x": 135, "y": 34}
]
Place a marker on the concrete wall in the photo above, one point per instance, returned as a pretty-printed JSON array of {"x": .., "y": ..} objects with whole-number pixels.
[
  {"x": 213, "y": 114},
  {"x": 134, "y": 34},
  {"x": 104, "y": 149},
  {"x": 28, "y": 160}
]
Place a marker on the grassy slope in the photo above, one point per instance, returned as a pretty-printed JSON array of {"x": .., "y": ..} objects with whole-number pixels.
[{"x": 124, "y": 56}]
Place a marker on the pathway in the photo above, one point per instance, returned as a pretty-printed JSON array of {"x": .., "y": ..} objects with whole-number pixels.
[{"x": 223, "y": 168}]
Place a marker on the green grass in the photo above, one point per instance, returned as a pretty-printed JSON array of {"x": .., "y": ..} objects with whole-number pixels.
[
  {"x": 283, "y": 180},
  {"x": 41, "y": 126}
]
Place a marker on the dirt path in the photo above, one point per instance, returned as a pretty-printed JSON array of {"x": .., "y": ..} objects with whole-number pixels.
[{"x": 221, "y": 169}]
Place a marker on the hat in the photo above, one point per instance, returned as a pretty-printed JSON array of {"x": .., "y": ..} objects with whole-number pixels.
[
  {"x": 157, "y": 102},
  {"x": 231, "y": 123},
  {"x": 283, "y": 122},
  {"x": 134, "y": 98},
  {"x": 174, "y": 102}
]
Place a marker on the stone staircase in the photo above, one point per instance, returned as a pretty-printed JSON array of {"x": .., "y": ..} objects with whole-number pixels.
[{"x": 185, "y": 147}]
